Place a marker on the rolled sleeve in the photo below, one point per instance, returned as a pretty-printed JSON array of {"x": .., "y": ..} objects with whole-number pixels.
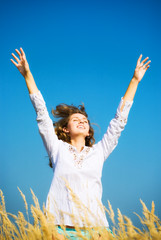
[
  {"x": 45, "y": 125},
  {"x": 125, "y": 112},
  {"x": 116, "y": 126}
]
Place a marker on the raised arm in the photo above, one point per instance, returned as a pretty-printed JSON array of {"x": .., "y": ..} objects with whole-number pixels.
[
  {"x": 23, "y": 66},
  {"x": 118, "y": 123},
  {"x": 141, "y": 68},
  {"x": 44, "y": 121}
]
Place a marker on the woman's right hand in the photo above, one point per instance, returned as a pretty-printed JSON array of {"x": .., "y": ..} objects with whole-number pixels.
[
  {"x": 21, "y": 63},
  {"x": 23, "y": 67}
]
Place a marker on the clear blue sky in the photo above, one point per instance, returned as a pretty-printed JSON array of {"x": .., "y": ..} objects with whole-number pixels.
[{"x": 82, "y": 51}]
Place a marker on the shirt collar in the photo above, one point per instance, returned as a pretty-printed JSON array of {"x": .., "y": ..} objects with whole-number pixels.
[{"x": 70, "y": 146}]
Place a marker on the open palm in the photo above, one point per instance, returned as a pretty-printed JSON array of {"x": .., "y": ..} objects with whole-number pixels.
[
  {"x": 141, "y": 68},
  {"x": 21, "y": 63}
]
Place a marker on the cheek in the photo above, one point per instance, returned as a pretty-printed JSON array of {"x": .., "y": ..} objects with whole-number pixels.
[
  {"x": 72, "y": 126},
  {"x": 88, "y": 128}
]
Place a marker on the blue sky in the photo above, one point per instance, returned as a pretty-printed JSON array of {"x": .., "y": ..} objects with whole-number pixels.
[{"x": 82, "y": 51}]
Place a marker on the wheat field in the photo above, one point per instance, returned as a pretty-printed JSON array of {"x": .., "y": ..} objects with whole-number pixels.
[{"x": 42, "y": 227}]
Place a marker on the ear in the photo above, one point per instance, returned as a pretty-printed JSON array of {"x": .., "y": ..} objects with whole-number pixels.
[{"x": 65, "y": 130}]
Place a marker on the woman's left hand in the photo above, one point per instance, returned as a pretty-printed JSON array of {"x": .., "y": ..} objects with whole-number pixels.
[{"x": 141, "y": 68}]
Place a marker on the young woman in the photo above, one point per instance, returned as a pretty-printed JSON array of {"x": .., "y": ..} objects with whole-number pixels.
[{"x": 76, "y": 161}]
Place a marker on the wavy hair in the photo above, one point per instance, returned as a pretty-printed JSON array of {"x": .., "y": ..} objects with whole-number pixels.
[{"x": 63, "y": 112}]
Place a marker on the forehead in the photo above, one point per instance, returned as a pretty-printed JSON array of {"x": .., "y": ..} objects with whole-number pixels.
[{"x": 78, "y": 115}]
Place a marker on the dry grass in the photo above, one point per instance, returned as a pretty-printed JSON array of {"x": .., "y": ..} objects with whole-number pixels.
[{"x": 43, "y": 225}]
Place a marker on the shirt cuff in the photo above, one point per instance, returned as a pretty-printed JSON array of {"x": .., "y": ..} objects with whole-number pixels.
[
  {"x": 125, "y": 112},
  {"x": 37, "y": 101}
]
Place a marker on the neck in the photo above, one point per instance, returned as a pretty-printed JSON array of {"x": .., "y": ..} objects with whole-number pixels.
[{"x": 78, "y": 142}]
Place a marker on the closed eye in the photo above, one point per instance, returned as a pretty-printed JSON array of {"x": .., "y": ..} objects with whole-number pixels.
[{"x": 77, "y": 119}]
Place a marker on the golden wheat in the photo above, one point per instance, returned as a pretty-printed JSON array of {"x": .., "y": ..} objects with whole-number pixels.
[{"x": 43, "y": 223}]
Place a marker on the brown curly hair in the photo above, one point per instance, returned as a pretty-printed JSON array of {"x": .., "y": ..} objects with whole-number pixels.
[{"x": 64, "y": 111}]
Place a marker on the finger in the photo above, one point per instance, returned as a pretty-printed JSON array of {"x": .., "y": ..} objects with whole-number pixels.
[
  {"x": 147, "y": 67},
  {"x": 144, "y": 60},
  {"x": 18, "y": 52},
  {"x": 16, "y": 58},
  {"x": 146, "y": 64},
  {"x": 14, "y": 62},
  {"x": 22, "y": 52},
  {"x": 139, "y": 59}
]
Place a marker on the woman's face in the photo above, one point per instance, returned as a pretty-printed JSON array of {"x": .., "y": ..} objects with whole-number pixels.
[{"x": 77, "y": 125}]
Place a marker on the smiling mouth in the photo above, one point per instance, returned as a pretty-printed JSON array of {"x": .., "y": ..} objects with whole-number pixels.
[{"x": 81, "y": 126}]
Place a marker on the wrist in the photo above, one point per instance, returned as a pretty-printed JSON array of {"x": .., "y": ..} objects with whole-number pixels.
[
  {"x": 135, "y": 81},
  {"x": 27, "y": 74}
]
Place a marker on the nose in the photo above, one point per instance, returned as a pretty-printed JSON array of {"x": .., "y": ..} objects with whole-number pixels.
[{"x": 81, "y": 121}]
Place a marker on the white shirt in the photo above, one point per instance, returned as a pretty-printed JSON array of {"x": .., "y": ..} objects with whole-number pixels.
[{"x": 81, "y": 172}]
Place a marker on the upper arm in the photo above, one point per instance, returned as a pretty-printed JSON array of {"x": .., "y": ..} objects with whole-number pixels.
[{"x": 45, "y": 125}]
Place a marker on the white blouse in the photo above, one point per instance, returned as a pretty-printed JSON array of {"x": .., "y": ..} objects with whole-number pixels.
[{"x": 77, "y": 175}]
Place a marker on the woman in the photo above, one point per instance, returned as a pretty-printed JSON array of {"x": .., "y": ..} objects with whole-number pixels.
[{"x": 76, "y": 161}]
